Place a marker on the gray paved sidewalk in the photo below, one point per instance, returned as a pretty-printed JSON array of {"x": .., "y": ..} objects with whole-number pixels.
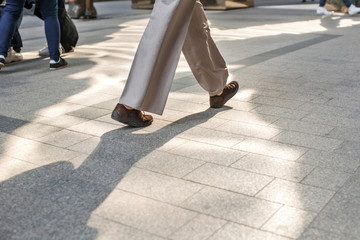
[{"x": 281, "y": 161}]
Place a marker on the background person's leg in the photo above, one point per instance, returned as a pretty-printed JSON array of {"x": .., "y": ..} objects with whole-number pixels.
[
  {"x": 157, "y": 56},
  {"x": 204, "y": 58},
  {"x": 49, "y": 12},
  {"x": 8, "y": 22}
]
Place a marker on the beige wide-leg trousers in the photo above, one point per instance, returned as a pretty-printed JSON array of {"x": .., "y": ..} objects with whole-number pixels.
[{"x": 174, "y": 25}]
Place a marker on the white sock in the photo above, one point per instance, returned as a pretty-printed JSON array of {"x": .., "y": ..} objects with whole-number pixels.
[
  {"x": 53, "y": 61},
  {"x": 2, "y": 56}
]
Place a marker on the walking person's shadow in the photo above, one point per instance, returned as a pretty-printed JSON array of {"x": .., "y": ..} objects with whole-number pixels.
[{"x": 55, "y": 201}]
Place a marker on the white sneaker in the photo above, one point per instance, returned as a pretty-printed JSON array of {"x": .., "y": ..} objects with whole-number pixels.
[
  {"x": 322, "y": 11},
  {"x": 13, "y": 56},
  {"x": 353, "y": 10},
  {"x": 44, "y": 52}
]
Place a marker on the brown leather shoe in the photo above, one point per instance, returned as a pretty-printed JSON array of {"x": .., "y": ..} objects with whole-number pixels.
[
  {"x": 229, "y": 91},
  {"x": 133, "y": 117}
]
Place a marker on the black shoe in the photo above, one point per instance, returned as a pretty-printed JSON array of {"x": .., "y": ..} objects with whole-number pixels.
[
  {"x": 229, "y": 91},
  {"x": 2, "y": 62},
  {"x": 60, "y": 64}
]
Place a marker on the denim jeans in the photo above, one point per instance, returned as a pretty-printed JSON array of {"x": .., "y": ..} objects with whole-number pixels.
[
  {"x": 16, "y": 41},
  {"x": 13, "y": 12},
  {"x": 346, "y": 2}
]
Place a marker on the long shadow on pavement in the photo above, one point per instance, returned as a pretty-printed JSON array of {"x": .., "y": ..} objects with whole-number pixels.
[{"x": 55, "y": 201}]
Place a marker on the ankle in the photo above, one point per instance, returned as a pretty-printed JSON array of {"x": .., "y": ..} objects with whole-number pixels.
[{"x": 219, "y": 93}]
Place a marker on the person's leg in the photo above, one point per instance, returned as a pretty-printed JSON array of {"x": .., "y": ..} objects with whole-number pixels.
[
  {"x": 16, "y": 41},
  {"x": 352, "y": 9},
  {"x": 157, "y": 56},
  {"x": 49, "y": 11},
  {"x": 322, "y": 3},
  {"x": 321, "y": 10},
  {"x": 8, "y": 22},
  {"x": 205, "y": 60},
  {"x": 202, "y": 55}
]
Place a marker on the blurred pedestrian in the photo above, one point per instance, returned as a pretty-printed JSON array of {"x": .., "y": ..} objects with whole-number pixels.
[
  {"x": 68, "y": 31},
  {"x": 49, "y": 11},
  {"x": 174, "y": 26},
  {"x": 14, "y": 50},
  {"x": 352, "y": 9}
]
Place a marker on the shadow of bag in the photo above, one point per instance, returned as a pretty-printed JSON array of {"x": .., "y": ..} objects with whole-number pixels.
[{"x": 69, "y": 33}]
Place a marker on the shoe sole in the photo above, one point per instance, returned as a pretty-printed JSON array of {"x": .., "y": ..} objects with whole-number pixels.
[
  {"x": 53, "y": 69},
  {"x": 1, "y": 65},
  {"x": 216, "y": 105},
  {"x": 115, "y": 116}
]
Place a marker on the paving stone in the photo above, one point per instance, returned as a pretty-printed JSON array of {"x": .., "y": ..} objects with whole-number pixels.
[
  {"x": 62, "y": 121},
  {"x": 157, "y": 186},
  {"x": 247, "y": 117},
  {"x": 231, "y": 206},
  {"x": 219, "y": 138},
  {"x": 183, "y": 95},
  {"x": 350, "y": 134},
  {"x": 94, "y": 128},
  {"x": 39, "y": 153},
  {"x": 87, "y": 146},
  {"x": 110, "y": 230},
  {"x": 322, "y": 159},
  {"x": 341, "y": 216},
  {"x": 290, "y": 222},
  {"x": 325, "y": 109},
  {"x": 139, "y": 212},
  {"x": 273, "y": 167},
  {"x": 308, "y": 140},
  {"x": 10, "y": 167},
  {"x": 9, "y": 142},
  {"x": 109, "y": 105},
  {"x": 229, "y": 179},
  {"x": 303, "y": 127},
  {"x": 59, "y": 109},
  {"x": 326, "y": 178},
  {"x": 89, "y": 113},
  {"x": 241, "y": 105},
  {"x": 185, "y": 106},
  {"x": 280, "y": 112},
  {"x": 172, "y": 143},
  {"x": 296, "y": 195},
  {"x": 233, "y": 231},
  {"x": 352, "y": 186},
  {"x": 89, "y": 99},
  {"x": 305, "y": 97},
  {"x": 9, "y": 124},
  {"x": 284, "y": 103},
  {"x": 64, "y": 138},
  {"x": 168, "y": 164},
  {"x": 201, "y": 227},
  {"x": 349, "y": 148},
  {"x": 271, "y": 149},
  {"x": 213, "y": 123},
  {"x": 208, "y": 153},
  {"x": 331, "y": 120},
  {"x": 249, "y": 130},
  {"x": 316, "y": 234},
  {"x": 35, "y": 130}
]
